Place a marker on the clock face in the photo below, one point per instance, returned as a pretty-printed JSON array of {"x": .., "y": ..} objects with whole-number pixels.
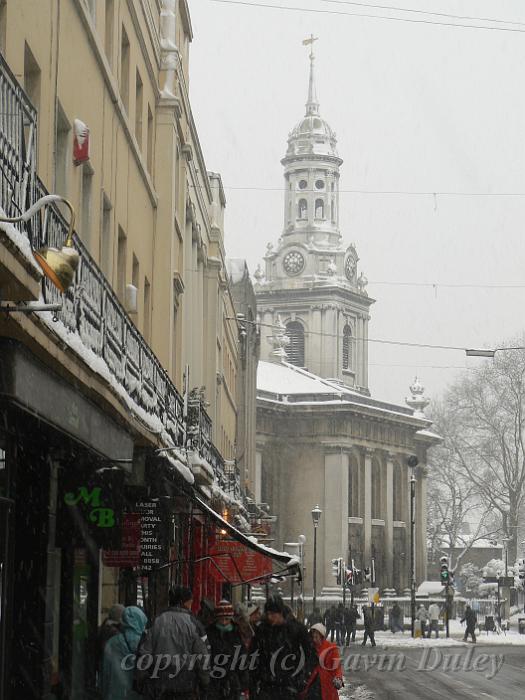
[
  {"x": 293, "y": 263},
  {"x": 350, "y": 267}
]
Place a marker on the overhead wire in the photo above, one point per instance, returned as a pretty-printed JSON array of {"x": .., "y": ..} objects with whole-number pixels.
[
  {"x": 426, "y": 12},
  {"x": 366, "y": 16},
  {"x": 415, "y": 193}
]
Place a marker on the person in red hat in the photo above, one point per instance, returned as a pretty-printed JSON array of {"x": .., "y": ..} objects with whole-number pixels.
[{"x": 329, "y": 671}]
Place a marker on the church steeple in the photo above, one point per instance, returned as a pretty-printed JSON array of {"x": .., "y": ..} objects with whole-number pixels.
[
  {"x": 312, "y": 105},
  {"x": 311, "y": 278}
]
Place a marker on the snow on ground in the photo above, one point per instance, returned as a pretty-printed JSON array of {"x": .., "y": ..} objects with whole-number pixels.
[
  {"x": 359, "y": 692},
  {"x": 387, "y": 640}
]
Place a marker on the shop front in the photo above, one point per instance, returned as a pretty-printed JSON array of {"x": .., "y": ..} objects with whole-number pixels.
[{"x": 60, "y": 505}]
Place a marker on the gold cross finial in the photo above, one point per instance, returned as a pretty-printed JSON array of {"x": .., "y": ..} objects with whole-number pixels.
[{"x": 310, "y": 42}]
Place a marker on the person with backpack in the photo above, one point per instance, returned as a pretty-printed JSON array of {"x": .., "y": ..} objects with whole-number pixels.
[{"x": 118, "y": 663}]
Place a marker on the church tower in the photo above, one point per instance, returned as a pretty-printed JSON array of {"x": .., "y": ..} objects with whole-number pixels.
[{"x": 311, "y": 282}]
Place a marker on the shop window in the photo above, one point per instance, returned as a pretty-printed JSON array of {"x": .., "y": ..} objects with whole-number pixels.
[{"x": 295, "y": 351}]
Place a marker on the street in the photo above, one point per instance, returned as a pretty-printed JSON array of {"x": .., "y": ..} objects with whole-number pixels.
[{"x": 389, "y": 674}]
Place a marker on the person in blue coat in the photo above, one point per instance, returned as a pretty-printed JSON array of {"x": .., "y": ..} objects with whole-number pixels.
[{"x": 117, "y": 677}]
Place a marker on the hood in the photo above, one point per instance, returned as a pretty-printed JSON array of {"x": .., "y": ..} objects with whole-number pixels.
[{"x": 134, "y": 620}]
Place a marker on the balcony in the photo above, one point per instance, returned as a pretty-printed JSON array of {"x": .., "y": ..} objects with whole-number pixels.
[{"x": 92, "y": 320}]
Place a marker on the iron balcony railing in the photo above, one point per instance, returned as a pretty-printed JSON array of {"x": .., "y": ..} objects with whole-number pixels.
[{"x": 90, "y": 308}]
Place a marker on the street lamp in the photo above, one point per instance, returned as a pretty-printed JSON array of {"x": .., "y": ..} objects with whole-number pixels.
[
  {"x": 412, "y": 462},
  {"x": 316, "y": 517},
  {"x": 58, "y": 265}
]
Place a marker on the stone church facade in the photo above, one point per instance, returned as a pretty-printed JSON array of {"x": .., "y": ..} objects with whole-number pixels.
[{"x": 322, "y": 439}]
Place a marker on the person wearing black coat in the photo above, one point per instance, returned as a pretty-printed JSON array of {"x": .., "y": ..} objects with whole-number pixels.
[
  {"x": 229, "y": 663},
  {"x": 282, "y": 655},
  {"x": 471, "y": 619},
  {"x": 351, "y": 616}
]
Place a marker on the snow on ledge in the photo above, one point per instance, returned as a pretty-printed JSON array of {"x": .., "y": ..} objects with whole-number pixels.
[{"x": 21, "y": 241}]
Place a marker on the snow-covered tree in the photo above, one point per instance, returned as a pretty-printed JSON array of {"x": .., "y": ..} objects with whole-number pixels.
[{"x": 482, "y": 420}]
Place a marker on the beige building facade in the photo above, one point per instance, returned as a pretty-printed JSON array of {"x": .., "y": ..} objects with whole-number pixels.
[{"x": 124, "y": 400}]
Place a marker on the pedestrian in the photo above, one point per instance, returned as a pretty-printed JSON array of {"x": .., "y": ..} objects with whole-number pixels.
[
  {"x": 174, "y": 635},
  {"x": 315, "y": 617},
  {"x": 242, "y": 621},
  {"x": 206, "y": 614},
  {"x": 351, "y": 617},
  {"x": 117, "y": 670},
  {"x": 422, "y": 617},
  {"x": 339, "y": 624},
  {"x": 282, "y": 655},
  {"x": 369, "y": 623},
  {"x": 329, "y": 671},
  {"x": 471, "y": 619},
  {"x": 229, "y": 662},
  {"x": 434, "y": 612},
  {"x": 329, "y": 622},
  {"x": 109, "y": 628},
  {"x": 396, "y": 618}
]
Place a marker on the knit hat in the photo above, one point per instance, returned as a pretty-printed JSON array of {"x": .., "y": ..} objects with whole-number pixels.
[
  {"x": 319, "y": 627},
  {"x": 275, "y": 604},
  {"x": 224, "y": 609}
]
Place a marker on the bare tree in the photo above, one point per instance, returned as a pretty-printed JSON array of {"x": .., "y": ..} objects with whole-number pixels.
[{"x": 482, "y": 420}]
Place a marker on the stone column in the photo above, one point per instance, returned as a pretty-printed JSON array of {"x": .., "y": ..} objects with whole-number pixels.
[
  {"x": 335, "y": 516},
  {"x": 367, "y": 512},
  {"x": 421, "y": 524},
  {"x": 315, "y": 340},
  {"x": 389, "y": 522},
  {"x": 266, "y": 332}
]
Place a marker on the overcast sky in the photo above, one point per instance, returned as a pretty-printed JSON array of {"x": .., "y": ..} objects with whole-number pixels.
[{"x": 417, "y": 108}]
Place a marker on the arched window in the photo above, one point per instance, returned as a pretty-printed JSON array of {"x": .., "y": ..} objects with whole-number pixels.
[
  {"x": 353, "y": 487},
  {"x": 376, "y": 489},
  {"x": 295, "y": 351},
  {"x": 332, "y": 205},
  {"x": 319, "y": 209},
  {"x": 348, "y": 358},
  {"x": 302, "y": 209},
  {"x": 398, "y": 492}
]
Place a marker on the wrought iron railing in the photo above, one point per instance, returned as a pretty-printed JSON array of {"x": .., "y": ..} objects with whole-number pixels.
[
  {"x": 18, "y": 119},
  {"x": 90, "y": 308}
]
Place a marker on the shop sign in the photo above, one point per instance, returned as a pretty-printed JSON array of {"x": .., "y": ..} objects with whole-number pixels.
[
  {"x": 248, "y": 563},
  {"x": 99, "y": 515},
  {"x": 153, "y": 544},
  {"x": 128, "y": 555}
]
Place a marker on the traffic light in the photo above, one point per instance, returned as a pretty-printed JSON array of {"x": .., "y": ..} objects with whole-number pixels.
[
  {"x": 337, "y": 570},
  {"x": 444, "y": 573},
  {"x": 367, "y": 575},
  {"x": 349, "y": 577}
]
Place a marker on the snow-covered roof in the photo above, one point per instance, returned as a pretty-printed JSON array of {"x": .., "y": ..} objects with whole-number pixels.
[
  {"x": 283, "y": 383},
  {"x": 430, "y": 588}
]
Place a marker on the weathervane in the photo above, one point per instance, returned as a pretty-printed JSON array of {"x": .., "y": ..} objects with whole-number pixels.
[{"x": 312, "y": 105}]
